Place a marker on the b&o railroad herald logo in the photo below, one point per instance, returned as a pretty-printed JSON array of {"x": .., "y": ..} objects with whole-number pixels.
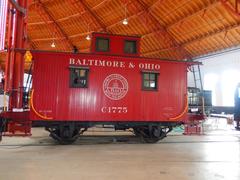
[{"x": 115, "y": 86}]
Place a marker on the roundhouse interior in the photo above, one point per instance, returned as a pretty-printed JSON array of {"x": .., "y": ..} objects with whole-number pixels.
[{"x": 120, "y": 89}]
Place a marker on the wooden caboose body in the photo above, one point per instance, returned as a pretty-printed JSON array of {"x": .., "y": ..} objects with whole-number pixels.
[
  {"x": 114, "y": 89},
  {"x": 111, "y": 85}
]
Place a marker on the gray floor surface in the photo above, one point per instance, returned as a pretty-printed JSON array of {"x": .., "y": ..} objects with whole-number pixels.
[{"x": 213, "y": 156}]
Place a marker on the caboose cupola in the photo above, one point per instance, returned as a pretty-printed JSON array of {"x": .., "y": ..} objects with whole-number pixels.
[{"x": 115, "y": 44}]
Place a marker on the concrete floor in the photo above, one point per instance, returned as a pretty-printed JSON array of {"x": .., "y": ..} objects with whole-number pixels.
[{"x": 215, "y": 156}]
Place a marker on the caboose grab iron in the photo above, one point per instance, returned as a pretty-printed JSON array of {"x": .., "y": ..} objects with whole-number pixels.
[{"x": 112, "y": 85}]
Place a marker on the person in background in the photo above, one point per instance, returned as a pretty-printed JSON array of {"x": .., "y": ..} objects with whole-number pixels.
[
  {"x": 237, "y": 106},
  {"x": 75, "y": 49}
]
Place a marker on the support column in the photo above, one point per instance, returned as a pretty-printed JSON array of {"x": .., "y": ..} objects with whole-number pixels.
[{"x": 15, "y": 63}]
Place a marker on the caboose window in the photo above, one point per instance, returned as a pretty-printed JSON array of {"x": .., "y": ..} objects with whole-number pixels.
[
  {"x": 78, "y": 77},
  {"x": 102, "y": 44},
  {"x": 130, "y": 47},
  {"x": 149, "y": 81}
]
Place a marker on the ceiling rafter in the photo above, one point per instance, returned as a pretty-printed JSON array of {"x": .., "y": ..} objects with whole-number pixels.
[
  {"x": 207, "y": 35},
  {"x": 164, "y": 30},
  {"x": 141, "y": 16},
  {"x": 45, "y": 14},
  {"x": 160, "y": 50},
  {"x": 58, "y": 20},
  {"x": 230, "y": 8},
  {"x": 94, "y": 17},
  {"x": 100, "y": 4},
  {"x": 140, "y": 13},
  {"x": 61, "y": 38},
  {"x": 76, "y": 15},
  {"x": 203, "y": 10},
  {"x": 202, "y": 37},
  {"x": 213, "y": 5},
  {"x": 155, "y": 4},
  {"x": 129, "y": 17},
  {"x": 48, "y": 39}
]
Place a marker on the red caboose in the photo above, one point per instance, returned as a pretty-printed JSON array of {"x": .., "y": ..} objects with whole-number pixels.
[{"x": 111, "y": 85}]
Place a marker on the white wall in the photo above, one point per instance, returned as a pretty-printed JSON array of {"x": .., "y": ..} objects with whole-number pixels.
[{"x": 220, "y": 73}]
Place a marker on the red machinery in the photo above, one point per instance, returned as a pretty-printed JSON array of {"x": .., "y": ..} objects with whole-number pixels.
[{"x": 112, "y": 85}]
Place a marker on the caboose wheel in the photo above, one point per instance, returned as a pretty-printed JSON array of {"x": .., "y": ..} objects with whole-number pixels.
[
  {"x": 149, "y": 134},
  {"x": 64, "y": 137},
  {"x": 64, "y": 134}
]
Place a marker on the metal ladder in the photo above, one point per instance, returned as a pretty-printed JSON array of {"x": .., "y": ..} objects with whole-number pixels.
[
  {"x": 198, "y": 83},
  {"x": 197, "y": 77},
  {"x": 194, "y": 126}
]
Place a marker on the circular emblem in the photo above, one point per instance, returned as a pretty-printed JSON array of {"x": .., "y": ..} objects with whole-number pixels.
[{"x": 115, "y": 86}]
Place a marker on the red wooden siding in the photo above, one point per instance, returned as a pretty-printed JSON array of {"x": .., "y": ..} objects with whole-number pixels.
[{"x": 53, "y": 96}]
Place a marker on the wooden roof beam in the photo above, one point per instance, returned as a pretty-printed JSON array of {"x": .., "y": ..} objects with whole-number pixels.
[
  {"x": 61, "y": 38},
  {"x": 125, "y": 2},
  {"x": 201, "y": 11},
  {"x": 39, "y": 23},
  {"x": 230, "y": 8},
  {"x": 207, "y": 35},
  {"x": 45, "y": 14},
  {"x": 96, "y": 20},
  {"x": 58, "y": 20},
  {"x": 161, "y": 50},
  {"x": 76, "y": 15},
  {"x": 191, "y": 15},
  {"x": 155, "y": 4},
  {"x": 48, "y": 39},
  {"x": 100, "y": 4},
  {"x": 202, "y": 37},
  {"x": 164, "y": 30}
]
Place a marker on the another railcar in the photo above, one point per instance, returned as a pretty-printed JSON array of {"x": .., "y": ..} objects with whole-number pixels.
[{"x": 112, "y": 85}]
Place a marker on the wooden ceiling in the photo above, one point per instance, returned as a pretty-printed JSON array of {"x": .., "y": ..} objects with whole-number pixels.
[{"x": 172, "y": 29}]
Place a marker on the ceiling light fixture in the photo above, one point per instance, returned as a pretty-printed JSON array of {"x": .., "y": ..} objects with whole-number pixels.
[
  {"x": 53, "y": 45},
  {"x": 88, "y": 37},
  {"x": 125, "y": 21}
]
